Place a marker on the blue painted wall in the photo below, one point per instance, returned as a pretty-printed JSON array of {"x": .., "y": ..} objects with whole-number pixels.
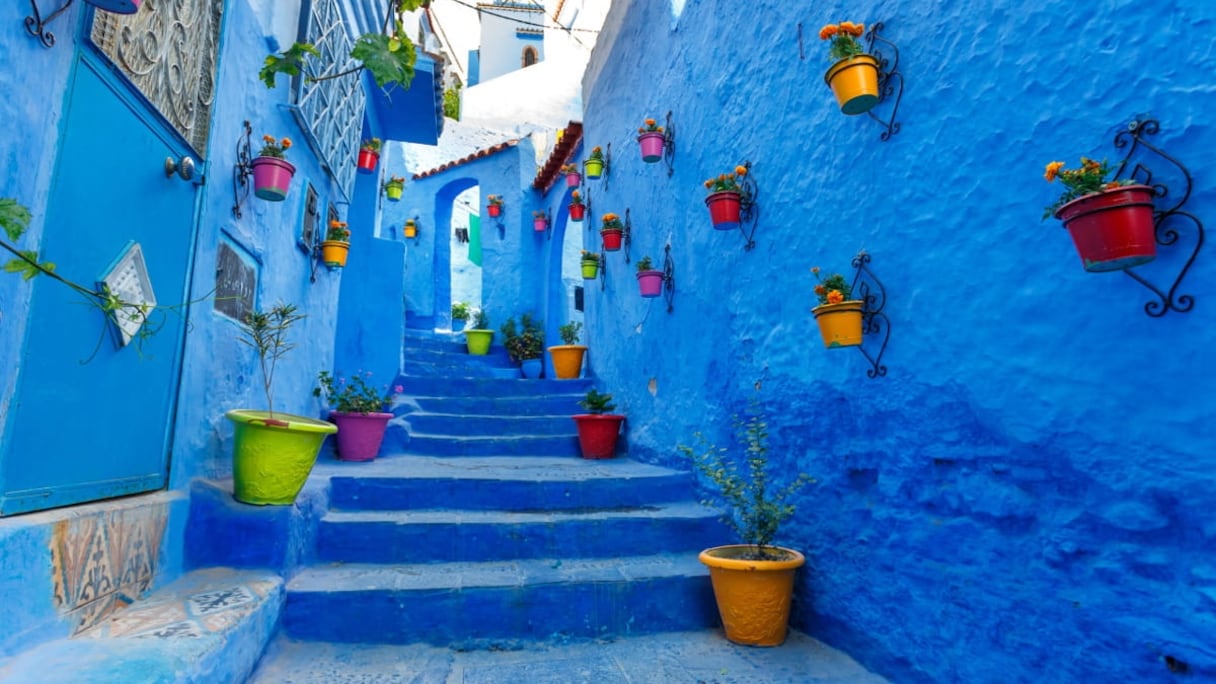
[{"x": 1026, "y": 495}]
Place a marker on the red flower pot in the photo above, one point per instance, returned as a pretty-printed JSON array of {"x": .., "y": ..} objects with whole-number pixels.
[
  {"x": 494, "y": 210},
  {"x": 359, "y": 434},
  {"x": 612, "y": 239},
  {"x": 724, "y": 209},
  {"x": 1112, "y": 230},
  {"x": 650, "y": 283},
  {"x": 598, "y": 434},
  {"x": 577, "y": 212},
  {"x": 652, "y": 147},
  {"x": 367, "y": 161},
  {"x": 573, "y": 179}
]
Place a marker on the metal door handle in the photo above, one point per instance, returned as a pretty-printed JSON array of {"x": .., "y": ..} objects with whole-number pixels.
[{"x": 184, "y": 168}]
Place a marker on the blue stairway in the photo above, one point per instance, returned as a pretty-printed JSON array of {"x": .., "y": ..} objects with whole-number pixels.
[{"x": 480, "y": 527}]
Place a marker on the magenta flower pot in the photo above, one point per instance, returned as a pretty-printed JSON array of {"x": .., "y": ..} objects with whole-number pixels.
[
  {"x": 652, "y": 147},
  {"x": 540, "y": 225},
  {"x": 573, "y": 179},
  {"x": 650, "y": 283},
  {"x": 359, "y": 434},
  {"x": 272, "y": 178}
]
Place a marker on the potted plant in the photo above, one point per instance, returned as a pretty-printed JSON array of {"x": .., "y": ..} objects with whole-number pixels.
[
  {"x": 494, "y": 205},
  {"x": 358, "y": 411},
  {"x": 1111, "y": 222},
  {"x": 272, "y": 453},
  {"x": 650, "y": 138},
  {"x": 839, "y": 317},
  {"x": 272, "y": 172},
  {"x": 577, "y": 209},
  {"x": 568, "y": 356},
  {"x": 650, "y": 281},
  {"x": 594, "y": 165},
  {"x": 410, "y": 230},
  {"x": 573, "y": 177},
  {"x": 540, "y": 221},
  {"x": 393, "y": 188},
  {"x": 479, "y": 337},
  {"x": 611, "y": 231},
  {"x": 525, "y": 343},
  {"x": 753, "y": 581},
  {"x": 369, "y": 155},
  {"x": 725, "y": 199},
  {"x": 853, "y": 76},
  {"x": 598, "y": 430},
  {"x": 336, "y": 245},
  {"x": 590, "y": 263},
  {"x": 460, "y": 315}
]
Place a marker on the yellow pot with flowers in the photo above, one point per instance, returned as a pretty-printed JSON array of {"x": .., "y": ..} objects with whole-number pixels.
[
  {"x": 336, "y": 245},
  {"x": 839, "y": 318},
  {"x": 853, "y": 76},
  {"x": 594, "y": 164}
]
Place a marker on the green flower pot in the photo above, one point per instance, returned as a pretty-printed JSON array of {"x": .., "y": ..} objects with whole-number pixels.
[
  {"x": 271, "y": 458},
  {"x": 478, "y": 341}
]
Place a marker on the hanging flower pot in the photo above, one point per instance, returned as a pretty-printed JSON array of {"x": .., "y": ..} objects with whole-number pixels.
[
  {"x": 494, "y": 206},
  {"x": 573, "y": 178},
  {"x": 393, "y": 188},
  {"x": 369, "y": 156},
  {"x": 359, "y": 434},
  {"x": 1113, "y": 229},
  {"x": 334, "y": 252},
  {"x": 854, "y": 76},
  {"x": 272, "y": 178},
  {"x": 840, "y": 324},
  {"x": 650, "y": 282},
  {"x": 724, "y": 209},
  {"x": 577, "y": 209},
  {"x": 594, "y": 165},
  {"x": 411, "y": 228},
  {"x": 540, "y": 221},
  {"x": 591, "y": 265},
  {"x": 611, "y": 232},
  {"x": 652, "y": 146}
]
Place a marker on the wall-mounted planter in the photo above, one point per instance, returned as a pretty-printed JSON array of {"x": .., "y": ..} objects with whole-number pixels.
[
  {"x": 1112, "y": 230},
  {"x": 854, "y": 81},
  {"x": 724, "y": 209},
  {"x": 393, "y": 191},
  {"x": 611, "y": 238},
  {"x": 577, "y": 212},
  {"x": 272, "y": 178},
  {"x": 650, "y": 283},
  {"x": 591, "y": 268},
  {"x": 410, "y": 230},
  {"x": 540, "y": 225},
  {"x": 652, "y": 146},
  {"x": 573, "y": 178},
  {"x": 367, "y": 161},
  {"x": 334, "y": 253},
  {"x": 840, "y": 324},
  {"x": 494, "y": 210},
  {"x": 594, "y": 168}
]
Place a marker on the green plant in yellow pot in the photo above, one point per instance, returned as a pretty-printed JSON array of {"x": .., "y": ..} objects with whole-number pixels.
[{"x": 478, "y": 338}]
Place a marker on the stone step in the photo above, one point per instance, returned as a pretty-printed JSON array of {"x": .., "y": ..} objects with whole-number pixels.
[
  {"x": 514, "y": 484},
  {"x": 471, "y": 604},
  {"x": 489, "y": 425},
  {"x": 446, "y": 358},
  {"x": 418, "y": 339},
  {"x": 472, "y": 535},
  {"x": 208, "y": 626},
  {"x": 543, "y": 405},
  {"x": 518, "y": 388},
  {"x": 428, "y": 444}
]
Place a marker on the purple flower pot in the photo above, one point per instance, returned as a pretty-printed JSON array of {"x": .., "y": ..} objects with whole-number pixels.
[
  {"x": 652, "y": 147},
  {"x": 272, "y": 178},
  {"x": 650, "y": 283},
  {"x": 359, "y": 434}
]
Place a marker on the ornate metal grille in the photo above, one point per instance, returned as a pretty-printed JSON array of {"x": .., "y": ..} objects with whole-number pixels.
[
  {"x": 332, "y": 110},
  {"x": 168, "y": 52}
]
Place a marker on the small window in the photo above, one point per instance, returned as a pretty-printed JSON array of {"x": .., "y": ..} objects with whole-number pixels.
[{"x": 529, "y": 56}]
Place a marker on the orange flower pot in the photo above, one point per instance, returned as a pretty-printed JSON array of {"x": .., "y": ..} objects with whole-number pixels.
[
  {"x": 567, "y": 360},
  {"x": 840, "y": 324},
  {"x": 333, "y": 253},
  {"x": 753, "y": 595},
  {"x": 855, "y": 83}
]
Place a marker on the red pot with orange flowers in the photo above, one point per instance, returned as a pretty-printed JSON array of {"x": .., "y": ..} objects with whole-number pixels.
[
  {"x": 1111, "y": 222},
  {"x": 725, "y": 200},
  {"x": 839, "y": 318},
  {"x": 853, "y": 77}
]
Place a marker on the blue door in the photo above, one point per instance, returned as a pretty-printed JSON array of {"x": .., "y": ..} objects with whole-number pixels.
[{"x": 92, "y": 418}]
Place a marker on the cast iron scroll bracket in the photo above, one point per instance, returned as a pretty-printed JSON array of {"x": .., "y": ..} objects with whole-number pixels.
[
  {"x": 588, "y": 215},
  {"x": 242, "y": 170},
  {"x": 1133, "y": 138},
  {"x": 669, "y": 277},
  {"x": 749, "y": 207},
  {"x": 669, "y": 145},
  {"x": 627, "y": 238},
  {"x": 890, "y": 80},
  {"x": 603, "y": 269},
  {"x": 869, "y": 289},
  {"x": 36, "y": 25}
]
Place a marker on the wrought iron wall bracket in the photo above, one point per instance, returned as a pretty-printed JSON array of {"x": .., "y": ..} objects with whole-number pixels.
[
  {"x": 36, "y": 25},
  {"x": 669, "y": 145},
  {"x": 242, "y": 171},
  {"x": 869, "y": 289},
  {"x": 549, "y": 223},
  {"x": 502, "y": 227},
  {"x": 603, "y": 269},
  {"x": 749, "y": 207},
  {"x": 627, "y": 237},
  {"x": 669, "y": 277},
  {"x": 1168, "y": 221},
  {"x": 890, "y": 80}
]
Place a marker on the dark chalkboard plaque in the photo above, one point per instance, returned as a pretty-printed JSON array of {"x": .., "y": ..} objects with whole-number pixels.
[{"x": 236, "y": 279}]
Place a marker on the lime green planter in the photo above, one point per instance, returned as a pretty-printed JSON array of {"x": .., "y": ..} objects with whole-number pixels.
[
  {"x": 478, "y": 341},
  {"x": 271, "y": 458}
]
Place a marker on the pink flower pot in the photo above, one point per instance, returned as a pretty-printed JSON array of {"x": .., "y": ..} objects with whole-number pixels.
[
  {"x": 540, "y": 225},
  {"x": 652, "y": 147},
  {"x": 272, "y": 178},
  {"x": 650, "y": 283},
  {"x": 359, "y": 434},
  {"x": 573, "y": 179}
]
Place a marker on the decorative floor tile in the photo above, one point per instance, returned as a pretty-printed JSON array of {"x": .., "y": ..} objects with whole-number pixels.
[
  {"x": 213, "y": 601},
  {"x": 186, "y": 629}
]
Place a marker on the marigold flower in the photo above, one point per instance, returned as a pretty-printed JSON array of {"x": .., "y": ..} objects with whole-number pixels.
[
  {"x": 709, "y": 183},
  {"x": 834, "y": 297},
  {"x": 820, "y": 289},
  {"x": 847, "y": 26},
  {"x": 268, "y": 138},
  {"x": 649, "y": 122},
  {"x": 828, "y": 31},
  {"x": 859, "y": 29},
  {"x": 1052, "y": 170},
  {"x": 286, "y": 143},
  {"x": 740, "y": 170}
]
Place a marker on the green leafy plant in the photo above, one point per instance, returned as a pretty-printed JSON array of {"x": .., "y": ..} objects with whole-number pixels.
[
  {"x": 451, "y": 102},
  {"x": 727, "y": 182},
  {"x": 754, "y": 507},
  {"x": 569, "y": 332},
  {"x": 833, "y": 289},
  {"x": 597, "y": 153},
  {"x": 355, "y": 395},
  {"x": 460, "y": 311},
  {"x": 843, "y": 37},
  {"x": 523, "y": 342},
  {"x": 481, "y": 320},
  {"x": 590, "y": 257},
  {"x": 597, "y": 403},
  {"x": 338, "y": 232},
  {"x": 389, "y": 55},
  {"x": 569, "y": 168},
  {"x": 266, "y": 332},
  {"x": 1088, "y": 179},
  {"x": 494, "y": 200},
  {"x": 576, "y": 199},
  {"x": 371, "y": 145},
  {"x": 645, "y": 264},
  {"x": 394, "y": 182},
  {"x": 540, "y": 215},
  {"x": 272, "y": 147}
]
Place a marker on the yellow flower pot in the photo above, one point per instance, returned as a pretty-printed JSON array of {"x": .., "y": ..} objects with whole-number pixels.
[
  {"x": 333, "y": 253},
  {"x": 855, "y": 83},
  {"x": 840, "y": 324},
  {"x": 567, "y": 360},
  {"x": 593, "y": 167},
  {"x": 753, "y": 595},
  {"x": 591, "y": 269},
  {"x": 411, "y": 229}
]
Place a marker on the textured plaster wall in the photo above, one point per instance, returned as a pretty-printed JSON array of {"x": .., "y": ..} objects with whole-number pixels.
[{"x": 1026, "y": 495}]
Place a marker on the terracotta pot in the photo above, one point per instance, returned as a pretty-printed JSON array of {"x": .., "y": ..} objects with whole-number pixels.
[{"x": 1112, "y": 230}]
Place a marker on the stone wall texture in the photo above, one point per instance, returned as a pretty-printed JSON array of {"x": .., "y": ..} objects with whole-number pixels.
[{"x": 1025, "y": 495}]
